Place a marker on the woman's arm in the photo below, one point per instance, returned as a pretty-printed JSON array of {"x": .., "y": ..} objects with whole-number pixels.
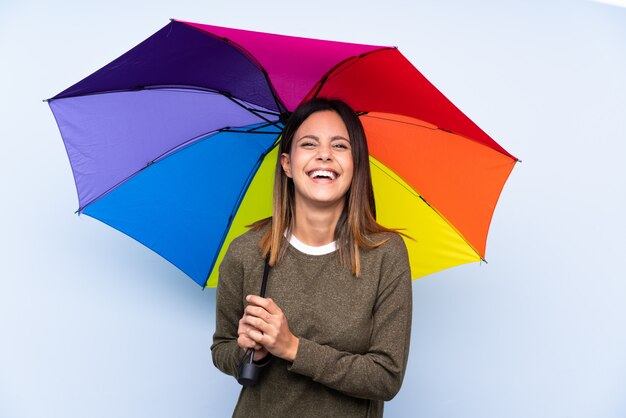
[
  {"x": 225, "y": 351},
  {"x": 377, "y": 374}
]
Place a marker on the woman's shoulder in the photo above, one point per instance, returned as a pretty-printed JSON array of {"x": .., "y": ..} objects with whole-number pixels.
[
  {"x": 389, "y": 241},
  {"x": 250, "y": 239},
  {"x": 388, "y": 260},
  {"x": 391, "y": 249},
  {"x": 243, "y": 251}
]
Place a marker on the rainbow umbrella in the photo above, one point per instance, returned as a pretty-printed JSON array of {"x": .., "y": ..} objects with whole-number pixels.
[{"x": 174, "y": 142}]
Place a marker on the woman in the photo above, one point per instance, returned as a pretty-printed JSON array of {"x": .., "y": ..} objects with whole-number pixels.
[{"x": 333, "y": 334}]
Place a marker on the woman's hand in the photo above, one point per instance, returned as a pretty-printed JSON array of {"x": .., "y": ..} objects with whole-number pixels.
[
  {"x": 245, "y": 342},
  {"x": 267, "y": 327}
]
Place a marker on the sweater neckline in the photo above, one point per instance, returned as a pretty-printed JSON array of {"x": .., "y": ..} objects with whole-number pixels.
[{"x": 311, "y": 250}]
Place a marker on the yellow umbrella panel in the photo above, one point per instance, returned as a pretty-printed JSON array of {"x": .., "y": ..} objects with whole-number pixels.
[{"x": 446, "y": 228}]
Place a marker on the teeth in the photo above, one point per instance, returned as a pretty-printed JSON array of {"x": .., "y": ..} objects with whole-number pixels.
[{"x": 323, "y": 173}]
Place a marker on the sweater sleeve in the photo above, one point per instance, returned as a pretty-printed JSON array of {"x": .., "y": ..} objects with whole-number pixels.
[
  {"x": 378, "y": 373},
  {"x": 229, "y": 308}
]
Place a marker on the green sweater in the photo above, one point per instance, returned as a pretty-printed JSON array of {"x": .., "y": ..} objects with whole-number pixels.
[{"x": 354, "y": 332}]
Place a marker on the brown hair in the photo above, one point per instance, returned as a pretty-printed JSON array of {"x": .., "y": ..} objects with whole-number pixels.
[{"x": 357, "y": 223}]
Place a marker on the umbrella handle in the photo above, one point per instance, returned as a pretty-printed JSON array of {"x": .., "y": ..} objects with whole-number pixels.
[{"x": 248, "y": 371}]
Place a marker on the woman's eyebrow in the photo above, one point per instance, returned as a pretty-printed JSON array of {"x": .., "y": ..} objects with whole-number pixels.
[
  {"x": 316, "y": 138},
  {"x": 309, "y": 136}
]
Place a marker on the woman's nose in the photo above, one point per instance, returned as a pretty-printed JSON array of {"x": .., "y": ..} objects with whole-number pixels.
[{"x": 324, "y": 153}]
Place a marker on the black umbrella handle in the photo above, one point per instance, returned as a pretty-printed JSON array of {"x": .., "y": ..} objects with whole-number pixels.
[{"x": 248, "y": 371}]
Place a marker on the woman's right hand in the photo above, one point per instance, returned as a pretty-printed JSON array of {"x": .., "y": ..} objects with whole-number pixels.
[{"x": 245, "y": 342}]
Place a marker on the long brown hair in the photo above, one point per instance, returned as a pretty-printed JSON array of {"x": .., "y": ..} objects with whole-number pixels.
[{"x": 357, "y": 223}]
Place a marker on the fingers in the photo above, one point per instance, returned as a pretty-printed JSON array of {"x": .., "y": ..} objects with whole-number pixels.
[
  {"x": 266, "y": 324},
  {"x": 243, "y": 340},
  {"x": 258, "y": 312},
  {"x": 254, "y": 329},
  {"x": 266, "y": 303},
  {"x": 244, "y": 327},
  {"x": 256, "y": 336},
  {"x": 257, "y": 324},
  {"x": 249, "y": 344}
]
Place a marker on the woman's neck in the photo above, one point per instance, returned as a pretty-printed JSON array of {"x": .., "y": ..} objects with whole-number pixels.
[{"x": 316, "y": 226}]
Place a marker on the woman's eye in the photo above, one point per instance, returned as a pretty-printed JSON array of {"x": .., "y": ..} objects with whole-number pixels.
[
  {"x": 307, "y": 144},
  {"x": 341, "y": 146}
]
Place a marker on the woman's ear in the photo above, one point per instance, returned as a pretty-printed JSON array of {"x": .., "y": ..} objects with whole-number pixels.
[{"x": 286, "y": 163}]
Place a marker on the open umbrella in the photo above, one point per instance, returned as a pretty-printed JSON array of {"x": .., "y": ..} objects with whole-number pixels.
[{"x": 173, "y": 143}]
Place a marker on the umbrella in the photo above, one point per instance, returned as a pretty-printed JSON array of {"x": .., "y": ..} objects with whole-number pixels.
[{"x": 174, "y": 142}]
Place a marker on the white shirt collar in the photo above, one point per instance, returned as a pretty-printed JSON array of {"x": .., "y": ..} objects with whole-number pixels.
[{"x": 308, "y": 249}]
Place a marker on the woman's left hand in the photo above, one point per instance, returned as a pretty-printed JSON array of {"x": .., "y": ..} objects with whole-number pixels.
[{"x": 270, "y": 328}]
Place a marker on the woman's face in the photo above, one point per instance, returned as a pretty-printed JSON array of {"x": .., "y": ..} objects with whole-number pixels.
[{"x": 320, "y": 160}]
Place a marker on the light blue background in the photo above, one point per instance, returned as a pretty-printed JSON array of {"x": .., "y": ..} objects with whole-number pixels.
[{"x": 94, "y": 325}]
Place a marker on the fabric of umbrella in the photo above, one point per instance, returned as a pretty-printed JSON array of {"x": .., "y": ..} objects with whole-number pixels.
[{"x": 173, "y": 143}]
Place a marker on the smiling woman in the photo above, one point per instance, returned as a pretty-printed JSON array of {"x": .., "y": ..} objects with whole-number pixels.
[
  {"x": 333, "y": 337},
  {"x": 320, "y": 165}
]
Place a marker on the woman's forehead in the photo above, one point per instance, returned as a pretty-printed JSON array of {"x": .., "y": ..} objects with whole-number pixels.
[{"x": 323, "y": 122}]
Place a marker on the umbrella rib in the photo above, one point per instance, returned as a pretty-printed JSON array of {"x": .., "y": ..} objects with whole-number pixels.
[
  {"x": 245, "y": 131},
  {"x": 415, "y": 193},
  {"x": 255, "y": 130},
  {"x": 232, "y": 99},
  {"x": 432, "y": 127},
  {"x": 240, "y": 197},
  {"x": 148, "y": 164},
  {"x": 281, "y": 107},
  {"x": 263, "y": 126},
  {"x": 437, "y": 128},
  {"x": 194, "y": 89},
  {"x": 355, "y": 58},
  {"x": 174, "y": 87},
  {"x": 160, "y": 157}
]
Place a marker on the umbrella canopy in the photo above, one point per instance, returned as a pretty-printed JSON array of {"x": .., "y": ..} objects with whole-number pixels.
[{"x": 173, "y": 143}]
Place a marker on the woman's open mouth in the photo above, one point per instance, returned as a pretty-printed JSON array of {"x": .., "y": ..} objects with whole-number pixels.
[{"x": 323, "y": 174}]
